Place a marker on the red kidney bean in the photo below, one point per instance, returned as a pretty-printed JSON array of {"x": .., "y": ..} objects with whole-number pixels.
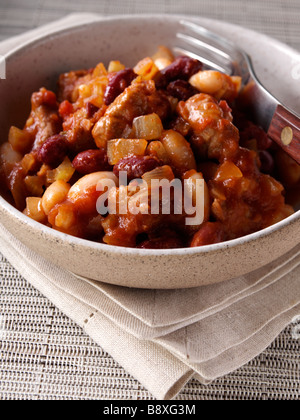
[
  {"x": 136, "y": 166},
  {"x": 253, "y": 131},
  {"x": 117, "y": 83},
  {"x": 91, "y": 161},
  {"x": 267, "y": 162},
  {"x": 182, "y": 68},
  {"x": 53, "y": 150},
  {"x": 181, "y": 89},
  {"x": 91, "y": 109}
]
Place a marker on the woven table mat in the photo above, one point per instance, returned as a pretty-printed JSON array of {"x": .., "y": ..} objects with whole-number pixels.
[
  {"x": 43, "y": 354},
  {"x": 276, "y": 18}
]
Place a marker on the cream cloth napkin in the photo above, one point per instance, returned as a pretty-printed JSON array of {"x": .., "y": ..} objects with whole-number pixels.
[{"x": 164, "y": 338}]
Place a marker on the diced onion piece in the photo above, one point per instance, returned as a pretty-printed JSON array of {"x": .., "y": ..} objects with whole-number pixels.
[
  {"x": 28, "y": 162},
  {"x": 146, "y": 68},
  {"x": 8, "y": 157},
  {"x": 99, "y": 70},
  {"x": 120, "y": 148},
  {"x": 34, "y": 185},
  {"x": 179, "y": 151},
  {"x": 237, "y": 81},
  {"x": 148, "y": 127},
  {"x": 228, "y": 170},
  {"x": 20, "y": 140},
  {"x": 162, "y": 63},
  {"x": 34, "y": 209},
  {"x": 98, "y": 89},
  {"x": 163, "y": 57},
  {"x": 84, "y": 91},
  {"x": 161, "y": 172},
  {"x": 92, "y": 91},
  {"x": 99, "y": 133},
  {"x": 43, "y": 171},
  {"x": 115, "y": 66},
  {"x": 63, "y": 172},
  {"x": 54, "y": 194},
  {"x": 15, "y": 181}
]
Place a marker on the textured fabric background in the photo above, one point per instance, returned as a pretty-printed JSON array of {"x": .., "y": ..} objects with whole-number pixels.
[
  {"x": 277, "y": 18},
  {"x": 43, "y": 354}
]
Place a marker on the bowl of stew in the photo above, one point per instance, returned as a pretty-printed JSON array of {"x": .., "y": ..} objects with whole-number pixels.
[{"x": 125, "y": 163}]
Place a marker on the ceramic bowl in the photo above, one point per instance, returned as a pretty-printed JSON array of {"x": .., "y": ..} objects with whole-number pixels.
[{"x": 39, "y": 62}]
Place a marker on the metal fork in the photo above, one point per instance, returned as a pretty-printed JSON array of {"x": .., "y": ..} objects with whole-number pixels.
[{"x": 281, "y": 124}]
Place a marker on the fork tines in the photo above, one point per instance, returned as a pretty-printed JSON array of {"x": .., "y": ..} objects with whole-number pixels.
[{"x": 214, "y": 51}]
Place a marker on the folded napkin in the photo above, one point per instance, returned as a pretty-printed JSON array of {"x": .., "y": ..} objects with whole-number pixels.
[{"x": 165, "y": 337}]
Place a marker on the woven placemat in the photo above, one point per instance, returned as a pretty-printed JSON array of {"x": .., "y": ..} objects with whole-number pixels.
[
  {"x": 43, "y": 354},
  {"x": 276, "y": 18}
]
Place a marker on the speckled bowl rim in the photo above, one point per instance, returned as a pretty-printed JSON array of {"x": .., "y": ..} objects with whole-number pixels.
[{"x": 126, "y": 250}]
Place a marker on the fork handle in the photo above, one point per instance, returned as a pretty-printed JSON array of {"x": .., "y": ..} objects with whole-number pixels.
[{"x": 285, "y": 131}]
